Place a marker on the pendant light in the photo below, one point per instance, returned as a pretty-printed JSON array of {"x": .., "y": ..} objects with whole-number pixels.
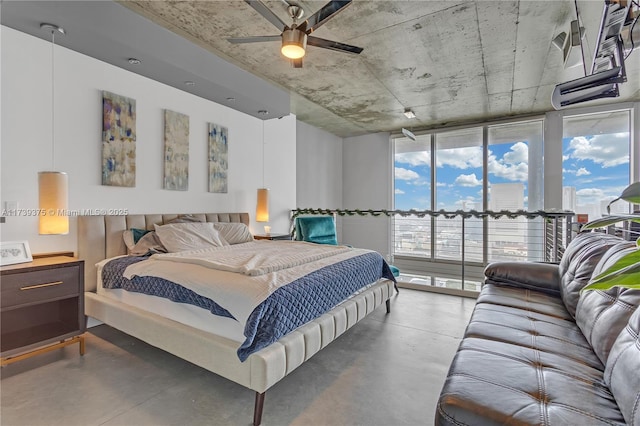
[
  {"x": 53, "y": 186},
  {"x": 262, "y": 205}
]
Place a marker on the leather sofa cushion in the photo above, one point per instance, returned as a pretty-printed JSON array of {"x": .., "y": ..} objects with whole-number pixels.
[
  {"x": 534, "y": 301},
  {"x": 622, "y": 372},
  {"x": 493, "y": 383},
  {"x": 578, "y": 262},
  {"x": 533, "y": 330},
  {"x": 534, "y": 276},
  {"x": 601, "y": 315}
]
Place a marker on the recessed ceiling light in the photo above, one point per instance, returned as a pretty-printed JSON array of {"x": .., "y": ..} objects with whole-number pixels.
[
  {"x": 231, "y": 99},
  {"x": 263, "y": 112},
  {"x": 134, "y": 61},
  {"x": 189, "y": 83},
  {"x": 408, "y": 113}
]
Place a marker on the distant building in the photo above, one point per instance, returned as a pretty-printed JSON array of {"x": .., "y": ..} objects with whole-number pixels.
[
  {"x": 504, "y": 233},
  {"x": 506, "y": 196},
  {"x": 569, "y": 198}
]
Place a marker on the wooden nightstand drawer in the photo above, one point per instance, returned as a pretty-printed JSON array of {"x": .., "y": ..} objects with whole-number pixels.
[
  {"x": 41, "y": 306},
  {"x": 36, "y": 286}
]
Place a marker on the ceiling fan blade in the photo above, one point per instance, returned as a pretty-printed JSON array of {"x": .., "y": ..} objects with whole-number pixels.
[
  {"x": 327, "y": 12},
  {"x": 255, "y": 39},
  {"x": 297, "y": 63},
  {"x": 263, "y": 10},
  {"x": 333, "y": 45}
]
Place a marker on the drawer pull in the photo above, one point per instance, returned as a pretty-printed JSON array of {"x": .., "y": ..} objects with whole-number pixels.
[{"x": 31, "y": 287}]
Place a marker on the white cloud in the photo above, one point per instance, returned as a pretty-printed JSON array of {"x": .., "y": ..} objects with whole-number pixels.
[
  {"x": 583, "y": 172},
  {"x": 404, "y": 174},
  {"x": 513, "y": 172},
  {"x": 519, "y": 154},
  {"x": 460, "y": 158},
  {"x": 420, "y": 158},
  {"x": 513, "y": 166},
  {"x": 468, "y": 180},
  {"x": 608, "y": 150},
  {"x": 441, "y": 184},
  {"x": 593, "y": 196},
  {"x": 590, "y": 192},
  {"x": 399, "y": 191}
]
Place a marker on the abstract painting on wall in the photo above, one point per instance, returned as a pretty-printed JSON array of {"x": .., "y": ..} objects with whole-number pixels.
[
  {"x": 176, "y": 151},
  {"x": 118, "y": 140},
  {"x": 218, "y": 158}
]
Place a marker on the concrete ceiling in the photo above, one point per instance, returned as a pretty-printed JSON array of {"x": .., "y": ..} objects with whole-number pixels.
[{"x": 448, "y": 61}]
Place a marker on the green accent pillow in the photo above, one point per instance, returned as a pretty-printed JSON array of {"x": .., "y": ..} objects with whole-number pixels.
[{"x": 138, "y": 233}]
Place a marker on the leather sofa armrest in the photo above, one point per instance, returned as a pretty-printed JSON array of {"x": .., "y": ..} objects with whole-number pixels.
[{"x": 534, "y": 276}]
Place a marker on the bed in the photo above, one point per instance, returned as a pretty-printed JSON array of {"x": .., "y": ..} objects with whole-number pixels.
[{"x": 100, "y": 238}]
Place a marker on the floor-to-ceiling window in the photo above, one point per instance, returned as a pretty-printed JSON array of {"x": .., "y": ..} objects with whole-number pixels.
[
  {"x": 412, "y": 181},
  {"x": 497, "y": 167},
  {"x": 459, "y": 186},
  {"x": 514, "y": 174},
  {"x": 595, "y": 162}
]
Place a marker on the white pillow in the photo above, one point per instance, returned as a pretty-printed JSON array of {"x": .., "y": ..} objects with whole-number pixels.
[
  {"x": 189, "y": 236},
  {"x": 234, "y": 233}
]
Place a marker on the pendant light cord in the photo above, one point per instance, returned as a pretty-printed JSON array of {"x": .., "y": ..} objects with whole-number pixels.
[
  {"x": 53, "y": 96},
  {"x": 263, "y": 153}
]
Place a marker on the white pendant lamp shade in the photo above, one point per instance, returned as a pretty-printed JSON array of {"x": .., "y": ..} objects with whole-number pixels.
[
  {"x": 53, "y": 188},
  {"x": 262, "y": 207}
]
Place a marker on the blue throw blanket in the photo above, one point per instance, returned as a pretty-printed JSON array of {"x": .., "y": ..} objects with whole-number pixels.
[{"x": 286, "y": 309}]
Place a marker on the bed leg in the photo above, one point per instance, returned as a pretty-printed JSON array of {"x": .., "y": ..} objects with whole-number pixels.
[
  {"x": 388, "y": 302},
  {"x": 257, "y": 409}
]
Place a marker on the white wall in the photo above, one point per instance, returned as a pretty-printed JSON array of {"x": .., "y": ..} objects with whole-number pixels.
[
  {"x": 319, "y": 170},
  {"x": 25, "y": 143},
  {"x": 367, "y": 182}
]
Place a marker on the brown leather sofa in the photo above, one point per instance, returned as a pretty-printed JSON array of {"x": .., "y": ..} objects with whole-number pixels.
[{"x": 537, "y": 351}]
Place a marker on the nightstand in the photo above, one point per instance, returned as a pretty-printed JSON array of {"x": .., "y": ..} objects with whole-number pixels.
[
  {"x": 272, "y": 237},
  {"x": 41, "y": 306}
]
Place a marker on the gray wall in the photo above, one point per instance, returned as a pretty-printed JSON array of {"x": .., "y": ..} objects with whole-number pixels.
[
  {"x": 318, "y": 170},
  {"x": 351, "y": 173},
  {"x": 366, "y": 173}
]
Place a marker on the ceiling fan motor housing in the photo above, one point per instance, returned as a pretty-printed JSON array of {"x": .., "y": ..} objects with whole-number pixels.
[{"x": 294, "y": 43}]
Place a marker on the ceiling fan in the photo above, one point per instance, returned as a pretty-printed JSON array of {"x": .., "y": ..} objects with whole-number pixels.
[{"x": 295, "y": 37}]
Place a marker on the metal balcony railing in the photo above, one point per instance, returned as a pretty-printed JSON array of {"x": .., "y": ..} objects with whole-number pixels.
[{"x": 451, "y": 248}]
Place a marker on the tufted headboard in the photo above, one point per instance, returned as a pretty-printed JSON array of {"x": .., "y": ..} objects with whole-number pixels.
[{"x": 100, "y": 237}]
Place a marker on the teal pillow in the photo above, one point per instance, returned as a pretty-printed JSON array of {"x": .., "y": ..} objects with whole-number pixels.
[
  {"x": 318, "y": 229},
  {"x": 138, "y": 233},
  {"x": 394, "y": 270}
]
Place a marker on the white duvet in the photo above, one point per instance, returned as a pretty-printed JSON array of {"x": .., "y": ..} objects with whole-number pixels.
[{"x": 271, "y": 264}]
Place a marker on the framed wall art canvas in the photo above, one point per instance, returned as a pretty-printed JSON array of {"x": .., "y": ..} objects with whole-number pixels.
[
  {"x": 118, "y": 140},
  {"x": 176, "y": 151},
  {"x": 12, "y": 252},
  {"x": 218, "y": 158}
]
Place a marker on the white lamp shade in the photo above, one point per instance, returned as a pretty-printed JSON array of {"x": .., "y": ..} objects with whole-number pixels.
[
  {"x": 53, "y": 188},
  {"x": 262, "y": 207}
]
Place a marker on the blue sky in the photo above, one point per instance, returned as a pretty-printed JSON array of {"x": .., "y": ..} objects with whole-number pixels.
[{"x": 597, "y": 166}]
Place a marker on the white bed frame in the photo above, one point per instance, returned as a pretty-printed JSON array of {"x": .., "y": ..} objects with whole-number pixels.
[{"x": 100, "y": 237}]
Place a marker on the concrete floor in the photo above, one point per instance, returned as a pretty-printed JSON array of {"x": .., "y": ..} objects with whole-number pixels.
[{"x": 387, "y": 370}]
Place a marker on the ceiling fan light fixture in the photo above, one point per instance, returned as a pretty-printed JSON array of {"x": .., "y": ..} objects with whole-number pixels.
[{"x": 294, "y": 43}]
